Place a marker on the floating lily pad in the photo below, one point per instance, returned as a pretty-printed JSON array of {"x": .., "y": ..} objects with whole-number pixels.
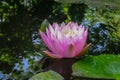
[
  {"x": 68, "y": 1},
  {"x": 103, "y": 66},
  {"x": 48, "y": 75},
  {"x": 112, "y": 4}
]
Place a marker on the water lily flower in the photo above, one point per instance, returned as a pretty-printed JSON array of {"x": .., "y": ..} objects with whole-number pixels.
[{"x": 65, "y": 41}]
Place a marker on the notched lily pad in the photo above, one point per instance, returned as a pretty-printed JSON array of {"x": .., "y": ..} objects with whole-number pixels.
[
  {"x": 103, "y": 66},
  {"x": 48, "y": 75}
]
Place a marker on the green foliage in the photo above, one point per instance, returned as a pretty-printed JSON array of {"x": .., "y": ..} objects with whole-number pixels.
[
  {"x": 49, "y": 75},
  {"x": 103, "y": 29},
  {"x": 102, "y": 66}
]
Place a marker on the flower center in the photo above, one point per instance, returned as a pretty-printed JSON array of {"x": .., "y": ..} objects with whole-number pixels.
[{"x": 69, "y": 32}]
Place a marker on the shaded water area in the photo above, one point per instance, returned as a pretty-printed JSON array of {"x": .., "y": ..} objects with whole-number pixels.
[{"x": 21, "y": 45}]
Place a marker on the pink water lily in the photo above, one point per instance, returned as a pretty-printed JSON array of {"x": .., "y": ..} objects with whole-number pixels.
[{"x": 65, "y": 41}]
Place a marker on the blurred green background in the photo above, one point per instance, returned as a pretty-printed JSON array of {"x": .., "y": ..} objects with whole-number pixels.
[{"x": 20, "y": 20}]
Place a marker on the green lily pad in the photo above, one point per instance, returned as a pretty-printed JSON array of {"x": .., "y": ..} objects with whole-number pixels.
[
  {"x": 68, "y": 1},
  {"x": 48, "y": 75},
  {"x": 104, "y": 66},
  {"x": 112, "y": 4}
]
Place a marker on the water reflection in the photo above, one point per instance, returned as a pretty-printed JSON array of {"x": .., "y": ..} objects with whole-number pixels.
[
  {"x": 24, "y": 68},
  {"x": 61, "y": 66}
]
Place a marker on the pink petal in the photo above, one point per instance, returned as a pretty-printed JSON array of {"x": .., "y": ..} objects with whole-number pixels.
[
  {"x": 47, "y": 41},
  {"x": 79, "y": 45},
  {"x": 69, "y": 51},
  {"x": 51, "y": 29},
  {"x": 86, "y": 32},
  {"x": 57, "y": 47},
  {"x": 48, "y": 33},
  {"x": 70, "y": 24},
  {"x": 54, "y": 25},
  {"x": 62, "y": 25},
  {"x": 83, "y": 51}
]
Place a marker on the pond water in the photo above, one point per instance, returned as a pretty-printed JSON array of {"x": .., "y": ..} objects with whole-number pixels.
[{"x": 21, "y": 45}]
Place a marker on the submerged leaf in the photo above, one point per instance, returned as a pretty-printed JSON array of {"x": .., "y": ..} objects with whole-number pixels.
[
  {"x": 103, "y": 66},
  {"x": 44, "y": 24}
]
